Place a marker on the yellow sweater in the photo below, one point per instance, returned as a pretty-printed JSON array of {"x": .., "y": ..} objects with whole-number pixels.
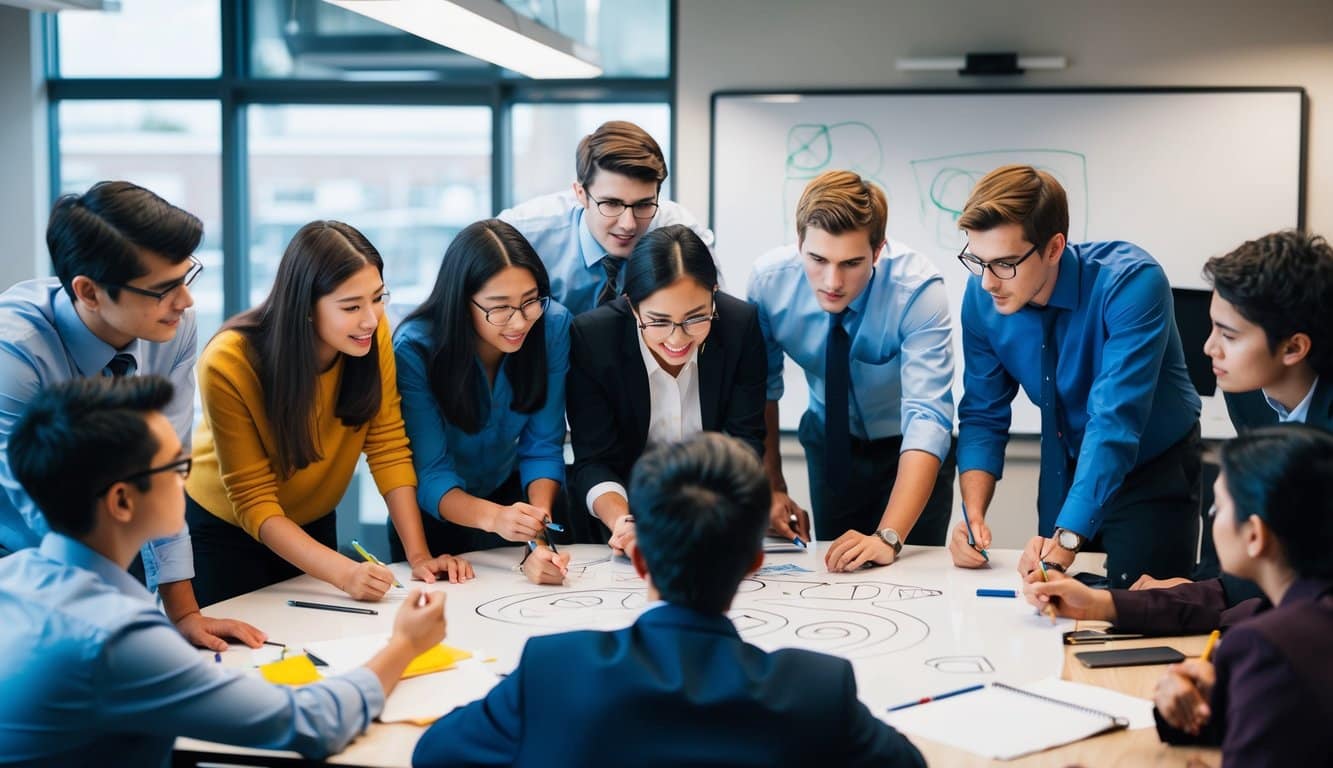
[{"x": 233, "y": 477}]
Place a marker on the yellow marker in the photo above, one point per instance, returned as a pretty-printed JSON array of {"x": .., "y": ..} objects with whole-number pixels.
[
  {"x": 1049, "y": 610},
  {"x": 1208, "y": 648},
  {"x": 360, "y": 550}
]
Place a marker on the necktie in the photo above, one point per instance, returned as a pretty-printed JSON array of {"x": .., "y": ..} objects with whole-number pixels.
[
  {"x": 1051, "y": 487},
  {"x": 123, "y": 364},
  {"x": 612, "y": 266},
  {"x": 837, "y": 428}
]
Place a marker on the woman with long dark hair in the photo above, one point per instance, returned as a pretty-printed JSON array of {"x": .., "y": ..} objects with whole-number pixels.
[
  {"x": 671, "y": 357},
  {"x": 294, "y": 391},
  {"x": 481, "y": 367}
]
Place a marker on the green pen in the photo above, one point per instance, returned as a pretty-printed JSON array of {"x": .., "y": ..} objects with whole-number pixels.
[{"x": 360, "y": 550}]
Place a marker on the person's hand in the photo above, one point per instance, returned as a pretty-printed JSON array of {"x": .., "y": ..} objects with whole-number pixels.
[
  {"x": 853, "y": 549},
  {"x": 366, "y": 581},
  {"x": 428, "y": 569},
  {"x": 1182, "y": 695},
  {"x": 207, "y": 632},
  {"x": 1147, "y": 582},
  {"x": 622, "y": 536},
  {"x": 1070, "y": 597},
  {"x": 420, "y": 620},
  {"x": 787, "y": 519},
  {"x": 519, "y": 522},
  {"x": 543, "y": 566},
  {"x": 965, "y": 555},
  {"x": 1033, "y": 553}
]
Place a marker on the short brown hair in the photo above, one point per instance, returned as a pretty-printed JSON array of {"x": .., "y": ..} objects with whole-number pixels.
[
  {"x": 841, "y": 201},
  {"x": 620, "y": 147},
  {"x": 1018, "y": 194}
]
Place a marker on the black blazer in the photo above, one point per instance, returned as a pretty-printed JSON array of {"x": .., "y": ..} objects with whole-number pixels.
[
  {"x": 1249, "y": 410},
  {"x": 606, "y": 395}
]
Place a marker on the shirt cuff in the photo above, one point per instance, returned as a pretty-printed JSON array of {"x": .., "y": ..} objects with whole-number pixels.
[
  {"x": 394, "y": 477},
  {"x": 433, "y": 489},
  {"x": 776, "y": 386},
  {"x": 986, "y": 455},
  {"x": 541, "y": 469},
  {"x": 372, "y": 693},
  {"x": 168, "y": 560},
  {"x": 1080, "y": 515},
  {"x": 601, "y": 488},
  {"x": 922, "y": 434}
]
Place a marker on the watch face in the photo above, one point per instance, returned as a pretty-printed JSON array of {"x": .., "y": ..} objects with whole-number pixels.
[{"x": 1068, "y": 540}]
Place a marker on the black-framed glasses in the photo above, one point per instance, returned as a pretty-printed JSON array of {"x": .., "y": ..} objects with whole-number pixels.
[
  {"x": 530, "y": 309},
  {"x": 612, "y": 209},
  {"x": 661, "y": 330},
  {"x": 180, "y": 466},
  {"x": 195, "y": 268},
  {"x": 1002, "y": 269}
]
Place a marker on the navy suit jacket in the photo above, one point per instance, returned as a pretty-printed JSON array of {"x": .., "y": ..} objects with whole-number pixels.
[
  {"x": 1249, "y": 410},
  {"x": 676, "y": 688}
]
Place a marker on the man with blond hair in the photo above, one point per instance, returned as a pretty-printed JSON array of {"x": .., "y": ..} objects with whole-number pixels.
[
  {"x": 1089, "y": 332},
  {"x": 869, "y": 325}
]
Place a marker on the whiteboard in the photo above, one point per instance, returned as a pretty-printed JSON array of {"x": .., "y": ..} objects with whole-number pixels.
[{"x": 1184, "y": 173}]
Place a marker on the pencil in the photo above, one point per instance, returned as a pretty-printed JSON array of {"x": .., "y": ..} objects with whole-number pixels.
[
  {"x": 360, "y": 550},
  {"x": 1208, "y": 648},
  {"x": 1049, "y": 610},
  {"x": 327, "y": 607}
]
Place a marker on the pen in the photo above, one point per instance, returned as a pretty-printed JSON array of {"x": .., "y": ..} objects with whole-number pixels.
[
  {"x": 550, "y": 526},
  {"x": 1049, "y": 610},
  {"x": 372, "y": 559},
  {"x": 798, "y": 542},
  {"x": 1208, "y": 648},
  {"x": 929, "y": 699},
  {"x": 996, "y": 593},
  {"x": 972, "y": 542},
  {"x": 275, "y": 645},
  {"x": 317, "y": 661},
  {"x": 327, "y": 607}
]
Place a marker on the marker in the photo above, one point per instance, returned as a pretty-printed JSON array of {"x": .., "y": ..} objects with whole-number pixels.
[
  {"x": 217, "y": 658},
  {"x": 550, "y": 526},
  {"x": 1049, "y": 610},
  {"x": 1212, "y": 641},
  {"x": 317, "y": 661},
  {"x": 798, "y": 542},
  {"x": 972, "y": 542},
  {"x": 275, "y": 645},
  {"x": 327, "y": 607},
  {"x": 369, "y": 558},
  {"x": 929, "y": 699},
  {"x": 996, "y": 593}
]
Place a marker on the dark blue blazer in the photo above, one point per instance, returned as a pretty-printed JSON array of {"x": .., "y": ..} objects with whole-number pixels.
[
  {"x": 1249, "y": 410},
  {"x": 676, "y": 688}
]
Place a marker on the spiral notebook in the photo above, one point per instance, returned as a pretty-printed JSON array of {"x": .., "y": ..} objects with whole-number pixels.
[{"x": 1003, "y": 722}]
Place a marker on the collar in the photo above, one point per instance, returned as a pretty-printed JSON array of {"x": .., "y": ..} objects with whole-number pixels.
[
  {"x": 66, "y": 551},
  {"x": 650, "y": 363},
  {"x": 1306, "y": 591},
  {"x": 90, "y": 353},
  {"x": 671, "y": 614},
  {"x": 593, "y": 252},
  {"x": 1301, "y": 413},
  {"x": 1067, "y": 281}
]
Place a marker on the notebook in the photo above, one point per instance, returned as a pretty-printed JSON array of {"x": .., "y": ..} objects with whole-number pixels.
[
  {"x": 423, "y": 700},
  {"x": 1003, "y": 722}
]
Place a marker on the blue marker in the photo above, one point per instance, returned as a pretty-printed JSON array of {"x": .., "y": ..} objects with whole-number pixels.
[
  {"x": 929, "y": 699},
  {"x": 971, "y": 542},
  {"x": 798, "y": 541},
  {"x": 996, "y": 593}
]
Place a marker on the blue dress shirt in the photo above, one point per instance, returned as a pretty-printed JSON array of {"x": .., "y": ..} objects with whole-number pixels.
[
  {"x": 901, "y": 347},
  {"x": 554, "y": 225},
  {"x": 91, "y": 673},
  {"x": 42, "y": 342},
  {"x": 1124, "y": 393},
  {"x": 446, "y": 457}
]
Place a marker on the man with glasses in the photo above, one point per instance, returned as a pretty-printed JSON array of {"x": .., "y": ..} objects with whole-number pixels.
[
  {"x": 584, "y": 235},
  {"x": 870, "y": 329},
  {"x": 1088, "y": 331},
  {"x": 119, "y": 305}
]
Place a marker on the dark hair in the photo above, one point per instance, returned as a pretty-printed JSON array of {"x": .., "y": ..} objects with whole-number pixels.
[
  {"x": 79, "y": 436},
  {"x": 664, "y": 256},
  {"x": 1284, "y": 474},
  {"x": 1281, "y": 282},
  {"x": 478, "y": 253},
  {"x": 100, "y": 233},
  {"x": 321, "y": 256},
  {"x": 620, "y": 147},
  {"x": 700, "y": 509}
]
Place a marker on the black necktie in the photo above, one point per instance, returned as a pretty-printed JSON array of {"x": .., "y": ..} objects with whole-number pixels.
[
  {"x": 837, "y": 427},
  {"x": 1051, "y": 486},
  {"x": 123, "y": 364},
  {"x": 612, "y": 266}
]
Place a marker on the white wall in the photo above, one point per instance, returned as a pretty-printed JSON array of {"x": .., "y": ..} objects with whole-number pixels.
[{"x": 23, "y": 154}]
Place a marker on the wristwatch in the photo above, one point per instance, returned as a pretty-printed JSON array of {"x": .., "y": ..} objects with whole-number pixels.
[
  {"x": 890, "y": 537},
  {"x": 1069, "y": 540}
]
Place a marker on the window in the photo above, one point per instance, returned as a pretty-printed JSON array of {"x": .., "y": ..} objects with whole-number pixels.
[{"x": 145, "y": 38}]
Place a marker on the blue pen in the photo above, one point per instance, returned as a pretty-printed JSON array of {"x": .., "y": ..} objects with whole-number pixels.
[
  {"x": 798, "y": 542},
  {"x": 971, "y": 542},
  {"x": 937, "y": 697},
  {"x": 996, "y": 593}
]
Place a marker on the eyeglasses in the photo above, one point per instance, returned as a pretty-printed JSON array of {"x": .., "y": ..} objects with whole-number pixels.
[
  {"x": 614, "y": 208},
  {"x": 530, "y": 309},
  {"x": 1003, "y": 270},
  {"x": 180, "y": 467},
  {"x": 661, "y": 330},
  {"x": 195, "y": 269}
]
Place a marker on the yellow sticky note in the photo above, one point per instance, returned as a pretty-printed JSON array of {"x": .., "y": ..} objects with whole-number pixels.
[
  {"x": 437, "y": 659},
  {"x": 294, "y": 670}
]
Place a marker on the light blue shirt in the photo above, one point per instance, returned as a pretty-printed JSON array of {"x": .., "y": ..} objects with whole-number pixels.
[
  {"x": 554, "y": 225},
  {"x": 901, "y": 347},
  {"x": 446, "y": 457},
  {"x": 1298, "y": 415},
  {"x": 91, "y": 673},
  {"x": 42, "y": 342}
]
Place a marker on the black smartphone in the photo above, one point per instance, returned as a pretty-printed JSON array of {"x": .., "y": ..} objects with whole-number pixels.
[
  {"x": 1130, "y": 657},
  {"x": 1094, "y": 636}
]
